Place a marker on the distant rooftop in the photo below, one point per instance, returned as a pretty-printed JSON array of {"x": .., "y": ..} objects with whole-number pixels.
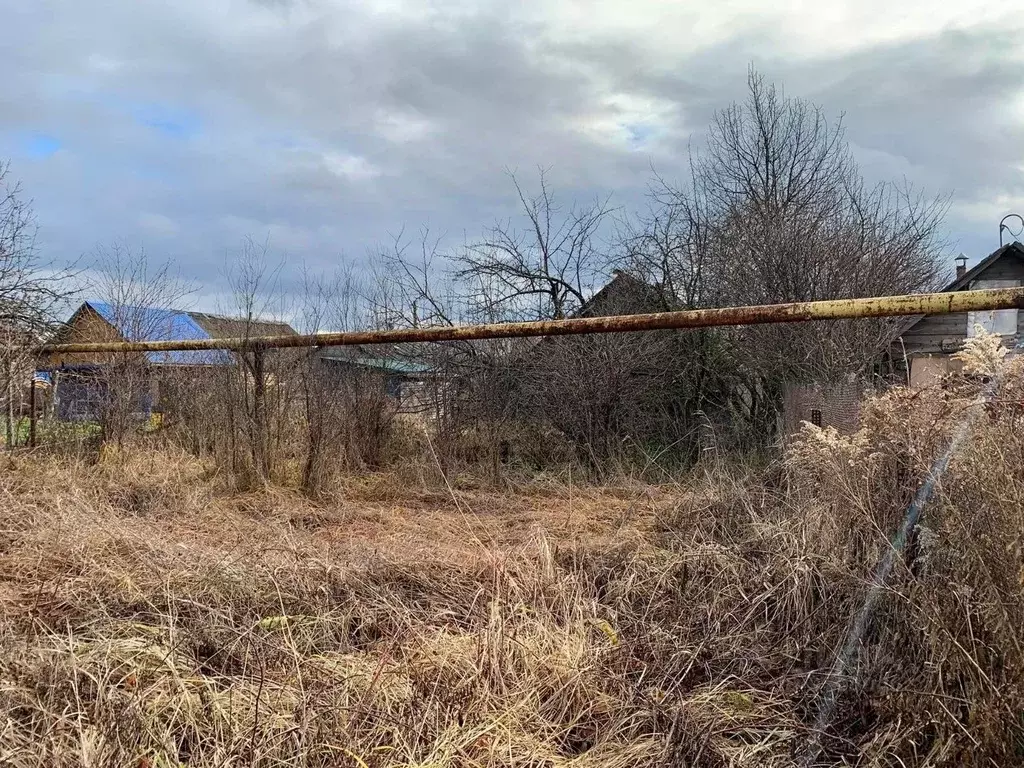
[
  {"x": 155, "y": 324},
  {"x": 358, "y": 356}
]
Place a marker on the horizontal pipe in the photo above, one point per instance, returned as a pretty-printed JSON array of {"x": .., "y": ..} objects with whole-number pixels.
[{"x": 832, "y": 309}]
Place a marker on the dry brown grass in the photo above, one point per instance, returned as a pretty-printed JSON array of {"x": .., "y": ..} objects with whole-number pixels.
[{"x": 150, "y": 618}]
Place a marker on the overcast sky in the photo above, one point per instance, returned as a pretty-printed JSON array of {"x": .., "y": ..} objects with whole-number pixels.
[{"x": 324, "y": 125}]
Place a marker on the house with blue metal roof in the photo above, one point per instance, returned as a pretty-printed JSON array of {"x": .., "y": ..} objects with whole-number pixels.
[
  {"x": 151, "y": 324},
  {"x": 78, "y": 378}
]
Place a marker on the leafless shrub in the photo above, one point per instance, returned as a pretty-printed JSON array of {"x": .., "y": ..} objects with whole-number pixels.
[
  {"x": 347, "y": 410},
  {"x": 257, "y": 389},
  {"x": 142, "y": 298}
]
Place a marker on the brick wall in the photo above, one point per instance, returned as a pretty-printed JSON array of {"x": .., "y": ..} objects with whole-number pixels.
[{"x": 833, "y": 405}]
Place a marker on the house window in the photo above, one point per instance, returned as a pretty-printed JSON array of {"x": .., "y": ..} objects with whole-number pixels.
[
  {"x": 1002, "y": 322},
  {"x": 816, "y": 417}
]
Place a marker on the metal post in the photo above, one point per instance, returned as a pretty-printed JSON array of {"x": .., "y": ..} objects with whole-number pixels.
[
  {"x": 12, "y": 432},
  {"x": 32, "y": 413},
  {"x": 260, "y": 413}
]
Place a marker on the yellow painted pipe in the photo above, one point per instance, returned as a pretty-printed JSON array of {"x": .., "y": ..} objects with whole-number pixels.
[{"x": 832, "y": 309}]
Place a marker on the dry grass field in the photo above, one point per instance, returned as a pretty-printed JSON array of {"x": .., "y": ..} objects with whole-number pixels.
[{"x": 149, "y": 617}]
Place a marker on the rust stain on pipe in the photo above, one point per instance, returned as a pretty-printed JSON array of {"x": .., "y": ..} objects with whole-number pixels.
[{"x": 833, "y": 309}]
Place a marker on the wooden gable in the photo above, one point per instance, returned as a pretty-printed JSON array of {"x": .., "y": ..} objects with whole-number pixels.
[{"x": 944, "y": 334}]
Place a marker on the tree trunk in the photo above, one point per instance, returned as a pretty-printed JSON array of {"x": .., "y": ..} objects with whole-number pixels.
[
  {"x": 261, "y": 455},
  {"x": 10, "y": 405}
]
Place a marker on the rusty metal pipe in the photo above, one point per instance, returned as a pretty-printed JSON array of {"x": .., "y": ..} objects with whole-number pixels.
[{"x": 832, "y": 309}]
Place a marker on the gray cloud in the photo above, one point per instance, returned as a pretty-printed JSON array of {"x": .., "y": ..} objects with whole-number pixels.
[{"x": 187, "y": 126}]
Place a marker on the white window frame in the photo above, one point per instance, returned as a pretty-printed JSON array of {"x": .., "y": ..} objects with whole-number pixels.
[{"x": 1002, "y": 322}]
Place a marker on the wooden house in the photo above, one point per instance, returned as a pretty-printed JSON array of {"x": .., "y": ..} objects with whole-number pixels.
[
  {"x": 80, "y": 386},
  {"x": 923, "y": 346}
]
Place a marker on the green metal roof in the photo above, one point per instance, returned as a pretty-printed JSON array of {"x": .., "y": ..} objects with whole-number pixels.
[{"x": 387, "y": 364}]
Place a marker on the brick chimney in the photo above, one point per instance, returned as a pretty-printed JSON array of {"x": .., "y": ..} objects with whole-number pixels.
[{"x": 961, "y": 266}]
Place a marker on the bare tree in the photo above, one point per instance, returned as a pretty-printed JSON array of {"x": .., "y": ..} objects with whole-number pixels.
[
  {"x": 605, "y": 394},
  {"x": 31, "y": 288},
  {"x": 776, "y": 210},
  {"x": 544, "y": 270},
  {"x": 143, "y": 298},
  {"x": 347, "y": 412},
  {"x": 794, "y": 221},
  {"x": 412, "y": 284},
  {"x": 257, "y": 390},
  {"x": 32, "y": 292},
  {"x": 773, "y": 156}
]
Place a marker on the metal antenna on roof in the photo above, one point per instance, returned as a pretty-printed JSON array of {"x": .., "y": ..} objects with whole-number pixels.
[{"x": 1004, "y": 226}]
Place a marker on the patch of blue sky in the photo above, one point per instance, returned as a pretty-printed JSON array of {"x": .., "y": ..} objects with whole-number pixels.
[
  {"x": 638, "y": 134},
  {"x": 39, "y": 146}
]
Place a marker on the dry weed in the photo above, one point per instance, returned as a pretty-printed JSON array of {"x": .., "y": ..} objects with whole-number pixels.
[{"x": 150, "y": 618}]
